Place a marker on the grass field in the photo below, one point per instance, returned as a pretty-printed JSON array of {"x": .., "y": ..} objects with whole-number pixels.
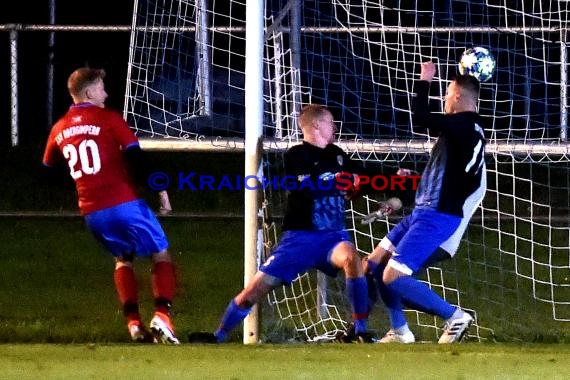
[
  {"x": 60, "y": 318},
  {"x": 57, "y": 283},
  {"x": 327, "y": 361}
]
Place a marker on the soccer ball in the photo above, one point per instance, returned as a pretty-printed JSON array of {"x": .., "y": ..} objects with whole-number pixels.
[{"x": 477, "y": 62}]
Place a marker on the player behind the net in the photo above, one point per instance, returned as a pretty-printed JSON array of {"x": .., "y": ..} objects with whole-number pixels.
[
  {"x": 314, "y": 235},
  {"x": 451, "y": 188}
]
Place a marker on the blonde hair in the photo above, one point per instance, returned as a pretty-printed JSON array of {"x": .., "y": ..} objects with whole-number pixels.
[
  {"x": 83, "y": 77},
  {"x": 310, "y": 113}
]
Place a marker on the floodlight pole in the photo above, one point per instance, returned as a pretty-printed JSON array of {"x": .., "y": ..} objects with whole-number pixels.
[{"x": 254, "y": 32}]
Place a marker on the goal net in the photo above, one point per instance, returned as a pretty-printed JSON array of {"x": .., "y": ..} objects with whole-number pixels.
[{"x": 185, "y": 91}]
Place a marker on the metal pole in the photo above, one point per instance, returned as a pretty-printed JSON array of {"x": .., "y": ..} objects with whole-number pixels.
[
  {"x": 295, "y": 42},
  {"x": 253, "y": 149},
  {"x": 133, "y": 32},
  {"x": 50, "y": 68},
  {"x": 277, "y": 81},
  {"x": 563, "y": 84},
  {"x": 204, "y": 64},
  {"x": 14, "y": 85}
]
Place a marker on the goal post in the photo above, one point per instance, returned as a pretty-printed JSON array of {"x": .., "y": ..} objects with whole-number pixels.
[
  {"x": 253, "y": 151},
  {"x": 190, "y": 87}
]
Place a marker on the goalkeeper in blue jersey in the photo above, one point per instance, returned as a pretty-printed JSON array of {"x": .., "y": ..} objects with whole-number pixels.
[
  {"x": 314, "y": 229},
  {"x": 452, "y": 186}
]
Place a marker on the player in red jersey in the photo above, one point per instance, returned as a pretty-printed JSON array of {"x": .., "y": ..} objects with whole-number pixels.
[{"x": 105, "y": 160}]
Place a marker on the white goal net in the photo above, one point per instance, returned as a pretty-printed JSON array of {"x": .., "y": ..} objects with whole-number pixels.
[{"x": 185, "y": 90}]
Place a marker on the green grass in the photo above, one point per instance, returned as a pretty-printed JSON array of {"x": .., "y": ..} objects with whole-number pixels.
[
  {"x": 326, "y": 361},
  {"x": 57, "y": 285},
  {"x": 60, "y": 318},
  {"x": 57, "y": 282}
]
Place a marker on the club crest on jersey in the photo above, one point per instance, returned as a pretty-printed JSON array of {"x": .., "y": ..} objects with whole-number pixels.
[
  {"x": 328, "y": 176},
  {"x": 339, "y": 160}
]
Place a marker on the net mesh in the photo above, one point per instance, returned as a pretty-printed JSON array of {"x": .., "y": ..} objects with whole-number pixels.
[{"x": 360, "y": 58}]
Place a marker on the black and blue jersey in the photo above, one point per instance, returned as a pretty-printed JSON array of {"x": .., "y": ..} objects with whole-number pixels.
[
  {"x": 456, "y": 167},
  {"x": 315, "y": 202}
]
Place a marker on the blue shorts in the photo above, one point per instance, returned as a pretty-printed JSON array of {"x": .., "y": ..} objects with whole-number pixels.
[
  {"x": 299, "y": 251},
  {"x": 129, "y": 228},
  {"x": 418, "y": 236}
]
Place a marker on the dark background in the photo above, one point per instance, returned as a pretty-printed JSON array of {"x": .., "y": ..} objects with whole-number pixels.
[
  {"x": 71, "y": 50},
  {"x": 23, "y": 185},
  {"x": 521, "y": 77}
]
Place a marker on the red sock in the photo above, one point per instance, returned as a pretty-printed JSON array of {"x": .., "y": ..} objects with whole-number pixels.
[
  {"x": 163, "y": 285},
  {"x": 127, "y": 290}
]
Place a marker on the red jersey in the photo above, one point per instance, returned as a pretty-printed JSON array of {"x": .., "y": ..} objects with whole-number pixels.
[{"x": 92, "y": 140}]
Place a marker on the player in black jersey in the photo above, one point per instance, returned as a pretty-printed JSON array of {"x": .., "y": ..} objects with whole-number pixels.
[
  {"x": 314, "y": 234},
  {"x": 451, "y": 188}
]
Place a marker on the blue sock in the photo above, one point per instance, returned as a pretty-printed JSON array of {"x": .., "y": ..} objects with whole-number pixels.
[
  {"x": 357, "y": 291},
  {"x": 231, "y": 318},
  {"x": 421, "y": 296},
  {"x": 391, "y": 299}
]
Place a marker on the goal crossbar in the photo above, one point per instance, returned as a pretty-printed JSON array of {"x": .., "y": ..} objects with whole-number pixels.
[{"x": 214, "y": 144}]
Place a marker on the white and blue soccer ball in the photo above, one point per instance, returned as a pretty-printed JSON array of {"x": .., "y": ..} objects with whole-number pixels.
[{"x": 477, "y": 62}]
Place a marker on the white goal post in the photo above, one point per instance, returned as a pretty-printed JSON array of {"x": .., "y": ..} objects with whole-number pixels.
[{"x": 190, "y": 88}]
